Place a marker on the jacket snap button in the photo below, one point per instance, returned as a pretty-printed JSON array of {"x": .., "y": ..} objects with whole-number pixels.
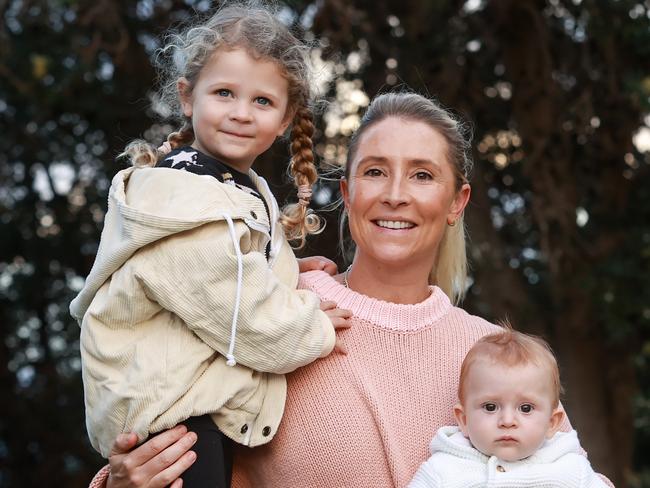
[
  {"x": 253, "y": 214},
  {"x": 244, "y": 429},
  {"x": 266, "y": 431},
  {"x": 501, "y": 469}
]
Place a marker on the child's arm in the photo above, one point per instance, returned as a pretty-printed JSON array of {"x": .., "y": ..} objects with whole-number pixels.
[{"x": 194, "y": 275}]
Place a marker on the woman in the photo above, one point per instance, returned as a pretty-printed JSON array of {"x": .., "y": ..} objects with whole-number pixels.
[{"x": 365, "y": 419}]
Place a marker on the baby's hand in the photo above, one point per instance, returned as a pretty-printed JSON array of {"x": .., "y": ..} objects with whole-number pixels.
[
  {"x": 340, "y": 320},
  {"x": 315, "y": 263}
]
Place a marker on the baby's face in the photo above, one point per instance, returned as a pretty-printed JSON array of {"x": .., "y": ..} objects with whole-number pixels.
[{"x": 507, "y": 411}]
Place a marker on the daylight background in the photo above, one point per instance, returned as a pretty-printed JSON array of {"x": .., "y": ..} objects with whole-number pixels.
[{"x": 558, "y": 94}]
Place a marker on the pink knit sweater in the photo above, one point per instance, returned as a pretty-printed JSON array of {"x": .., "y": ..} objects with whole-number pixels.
[{"x": 366, "y": 419}]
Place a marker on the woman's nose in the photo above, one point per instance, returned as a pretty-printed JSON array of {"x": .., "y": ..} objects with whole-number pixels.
[{"x": 396, "y": 192}]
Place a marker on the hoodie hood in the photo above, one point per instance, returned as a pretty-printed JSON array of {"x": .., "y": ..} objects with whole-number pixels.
[
  {"x": 148, "y": 204},
  {"x": 451, "y": 440}
]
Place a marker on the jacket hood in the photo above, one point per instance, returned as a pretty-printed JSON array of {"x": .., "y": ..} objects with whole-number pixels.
[
  {"x": 451, "y": 440},
  {"x": 148, "y": 204}
]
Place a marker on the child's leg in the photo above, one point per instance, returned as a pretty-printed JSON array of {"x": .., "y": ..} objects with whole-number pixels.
[{"x": 213, "y": 465}]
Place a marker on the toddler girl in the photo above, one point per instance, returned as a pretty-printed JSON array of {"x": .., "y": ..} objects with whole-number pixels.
[{"x": 191, "y": 309}]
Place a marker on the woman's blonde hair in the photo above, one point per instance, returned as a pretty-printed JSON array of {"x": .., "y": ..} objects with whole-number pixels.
[
  {"x": 252, "y": 26},
  {"x": 450, "y": 270}
]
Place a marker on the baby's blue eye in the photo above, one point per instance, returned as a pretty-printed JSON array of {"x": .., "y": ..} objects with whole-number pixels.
[
  {"x": 263, "y": 101},
  {"x": 223, "y": 92}
]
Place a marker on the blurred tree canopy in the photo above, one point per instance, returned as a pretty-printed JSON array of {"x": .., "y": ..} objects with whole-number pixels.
[{"x": 558, "y": 94}]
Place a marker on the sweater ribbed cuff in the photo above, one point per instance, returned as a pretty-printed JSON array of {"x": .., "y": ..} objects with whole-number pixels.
[{"x": 100, "y": 479}]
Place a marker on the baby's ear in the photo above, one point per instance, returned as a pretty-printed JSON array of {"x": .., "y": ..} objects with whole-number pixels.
[
  {"x": 557, "y": 417},
  {"x": 461, "y": 418}
]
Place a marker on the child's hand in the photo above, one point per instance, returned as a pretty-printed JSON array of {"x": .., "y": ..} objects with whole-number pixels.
[
  {"x": 315, "y": 263},
  {"x": 339, "y": 318}
]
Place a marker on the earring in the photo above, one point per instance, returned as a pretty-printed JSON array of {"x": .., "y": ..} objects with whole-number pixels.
[{"x": 451, "y": 222}]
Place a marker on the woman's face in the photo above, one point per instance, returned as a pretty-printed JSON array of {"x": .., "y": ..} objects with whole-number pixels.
[{"x": 401, "y": 193}]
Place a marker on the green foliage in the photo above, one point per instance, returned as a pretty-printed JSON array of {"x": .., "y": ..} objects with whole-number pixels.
[{"x": 555, "y": 92}]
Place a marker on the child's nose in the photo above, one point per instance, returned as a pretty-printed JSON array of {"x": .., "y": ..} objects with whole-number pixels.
[
  {"x": 507, "y": 418},
  {"x": 241, "y": 111}
]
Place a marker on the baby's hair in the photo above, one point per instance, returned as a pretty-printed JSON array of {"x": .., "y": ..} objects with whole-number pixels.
[
  {"x": 254, "y": 27},
  {"x": 511, "y": 348}
]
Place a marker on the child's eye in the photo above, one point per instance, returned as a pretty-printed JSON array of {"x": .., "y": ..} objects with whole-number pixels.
[
  {"x": 263, "y": 101},
  {"x": 490, "y": 407},
  {"x": 372, "y": 172},
  {"x": 223, "y": 92},
  {"x": 526, "y": 408}
]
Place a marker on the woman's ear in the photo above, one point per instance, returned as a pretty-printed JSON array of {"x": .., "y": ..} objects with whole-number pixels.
[
  {"x": 461, "y": 418},
  {"x": 557, "y": 417},
  {"x": 185, "y": 96},
  {"x": 345, "y": 191},
  {"x": 459, "y": 203}
]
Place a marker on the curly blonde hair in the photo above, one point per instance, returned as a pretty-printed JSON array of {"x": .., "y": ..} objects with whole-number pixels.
[{"x": 252, "y": 26}]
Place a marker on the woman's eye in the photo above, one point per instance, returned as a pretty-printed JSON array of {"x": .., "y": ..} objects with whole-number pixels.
[
  {"x": 423, "y": 176},
  {"x": 263, "y": 101},
  {"x": 526, "y": 408},
  {"x": 223, "y": 92},
  {"x": 372, "y": 172},
  {"x": 490, "y": 407}
]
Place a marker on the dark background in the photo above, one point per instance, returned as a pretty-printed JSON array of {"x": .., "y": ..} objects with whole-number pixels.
[{"x": 557, "y": 92}]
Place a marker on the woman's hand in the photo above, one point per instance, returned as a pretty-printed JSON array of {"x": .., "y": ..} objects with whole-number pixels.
[
  {"x": 340, "y": 320},
  {"x": 317, "y": 263},
  {"x": 155, "y": 464}
]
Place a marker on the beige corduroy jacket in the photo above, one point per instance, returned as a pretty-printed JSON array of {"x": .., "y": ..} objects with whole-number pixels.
[{"x": 182, "y": 314}]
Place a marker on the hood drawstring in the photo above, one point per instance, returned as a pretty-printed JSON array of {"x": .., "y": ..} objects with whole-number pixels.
[{"x": 230, "y": 357}]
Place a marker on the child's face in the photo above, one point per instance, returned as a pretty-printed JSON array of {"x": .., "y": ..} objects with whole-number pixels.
[
  {"x": 507, "y": 411},
  {"x": 238, "y": 107}
]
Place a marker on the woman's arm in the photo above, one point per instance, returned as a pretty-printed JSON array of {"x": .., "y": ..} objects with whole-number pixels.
[{"x": 157, "y": 463}]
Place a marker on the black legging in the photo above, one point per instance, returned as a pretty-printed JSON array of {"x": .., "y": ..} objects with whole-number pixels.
[{"x": 213, "y": 465}]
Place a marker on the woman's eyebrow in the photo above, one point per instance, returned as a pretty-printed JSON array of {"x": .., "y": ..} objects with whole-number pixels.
[{"x": 373, "y": 159}]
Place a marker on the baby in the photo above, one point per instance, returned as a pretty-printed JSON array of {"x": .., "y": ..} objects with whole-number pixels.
[{"x": 509, "y": 418}]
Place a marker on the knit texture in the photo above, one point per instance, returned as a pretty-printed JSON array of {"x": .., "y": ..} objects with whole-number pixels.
[
  {"x": 365, "y": 419},
  {"x": 455, "y": 463}
]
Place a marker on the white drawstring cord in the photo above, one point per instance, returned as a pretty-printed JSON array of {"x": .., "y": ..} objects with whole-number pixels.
[{"x": 230, "y": 357}]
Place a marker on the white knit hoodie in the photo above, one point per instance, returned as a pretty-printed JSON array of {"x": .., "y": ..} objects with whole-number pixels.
[{"x": 455, "y": 463}]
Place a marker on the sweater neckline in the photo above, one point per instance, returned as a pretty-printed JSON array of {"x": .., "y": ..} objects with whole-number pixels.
[{"x": 388, "y": 315}]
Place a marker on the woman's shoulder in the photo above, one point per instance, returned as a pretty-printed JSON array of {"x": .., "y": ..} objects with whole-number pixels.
[{"x": 473, "y": 323}]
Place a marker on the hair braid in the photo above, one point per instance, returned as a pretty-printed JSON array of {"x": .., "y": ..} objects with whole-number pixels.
[
  {"x": 183, "y": 136},
  {"x": 142, "y": 154},
  {"x": 298, "y": 220}
]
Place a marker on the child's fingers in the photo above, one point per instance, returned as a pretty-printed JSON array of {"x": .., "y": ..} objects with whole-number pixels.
[
  {"x": 340, "y": 348},
  {"x": 327, "y": 305},
  {"x": 330, "y": 267}
]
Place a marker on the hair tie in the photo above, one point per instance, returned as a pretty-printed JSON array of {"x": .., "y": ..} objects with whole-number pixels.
[
  {"x": 304, "y": 195},
  {"x": 165, "y": 148}
]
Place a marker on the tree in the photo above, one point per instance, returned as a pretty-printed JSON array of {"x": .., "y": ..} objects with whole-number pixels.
[{"x": 555, "y": 91}]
